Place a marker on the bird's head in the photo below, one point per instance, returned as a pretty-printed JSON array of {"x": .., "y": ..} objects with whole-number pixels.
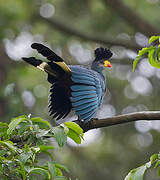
[{"x": 102, "y": 56}]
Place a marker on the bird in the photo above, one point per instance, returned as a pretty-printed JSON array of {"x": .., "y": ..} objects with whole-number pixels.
[{"x": 73, "y": 87}]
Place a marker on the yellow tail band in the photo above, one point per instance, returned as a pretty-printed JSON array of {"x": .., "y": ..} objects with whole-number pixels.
[
  {"x": 45, "y": 67},
  {"x": 64, "y": 66}
]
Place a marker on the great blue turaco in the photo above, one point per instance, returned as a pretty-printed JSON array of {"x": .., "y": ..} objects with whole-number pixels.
[{"x": 73, "y": 87}]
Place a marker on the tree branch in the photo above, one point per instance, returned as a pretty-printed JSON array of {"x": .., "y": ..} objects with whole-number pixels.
[
  {"x": 124, "y": 11},
  {"x": 132, "y": 18},
  {"x": 120, "y": 119},
  {"x": 87, "y": 36}
]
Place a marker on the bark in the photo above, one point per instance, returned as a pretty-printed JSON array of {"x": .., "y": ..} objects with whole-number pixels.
[{"x": 120, "y": 119}]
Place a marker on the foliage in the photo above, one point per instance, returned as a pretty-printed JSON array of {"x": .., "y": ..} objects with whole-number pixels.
[
  {"x": 153, "y": 53},
  {"x": 24, "y": 139},
  {"x": 138, "y": 173}
]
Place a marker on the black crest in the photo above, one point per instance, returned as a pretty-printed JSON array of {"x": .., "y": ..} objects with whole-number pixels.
[{"x": 102, "y": 53}]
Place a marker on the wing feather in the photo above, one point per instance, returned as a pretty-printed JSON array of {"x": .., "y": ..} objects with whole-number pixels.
[
  {"x": 89, "y": 116},
  {"x": 82, "y": 88},
  {"x": 82, "y": 93},
  {"x": 85, "y": 106},
  {"x": 46, "y": 52},
  {"x": 77, "y": 98},
  {"x": 86, "y": 93},
  {"x": 83, "y": 76},
  {"x": 86, "y": 110},
  {"x": 60, "y": 104},
  {"x": 84, "y": 101}
]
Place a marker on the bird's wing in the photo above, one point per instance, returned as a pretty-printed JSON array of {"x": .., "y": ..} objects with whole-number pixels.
[
  {"x": 51, "y": 56},
  {"x": 58, "y": 75},
  {"x": 55, "y": 68},
  {"x": 59, "y": 101},
  {"x": 46, "y": 52},
  {"x": 86, "y": 92}
]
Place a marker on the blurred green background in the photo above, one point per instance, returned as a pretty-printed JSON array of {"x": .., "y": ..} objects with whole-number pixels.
[{"x": 73, "y": 29}]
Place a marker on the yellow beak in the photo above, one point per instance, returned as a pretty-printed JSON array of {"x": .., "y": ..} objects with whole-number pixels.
[{"x": 107, "y": 64}]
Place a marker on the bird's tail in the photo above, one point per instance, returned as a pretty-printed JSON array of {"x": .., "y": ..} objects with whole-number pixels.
[{"x": 56, "y": 67}]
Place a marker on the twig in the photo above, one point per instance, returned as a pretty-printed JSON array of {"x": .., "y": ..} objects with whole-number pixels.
[
  {"x": 87, "y": 36},
  {"x": 120, "y": 119},
  {"x": 106, "y": 122}
]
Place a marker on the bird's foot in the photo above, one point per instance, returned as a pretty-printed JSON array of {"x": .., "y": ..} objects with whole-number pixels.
[
  {"x": 96, "y": 119},
  {"x": 86, "y": 125}
]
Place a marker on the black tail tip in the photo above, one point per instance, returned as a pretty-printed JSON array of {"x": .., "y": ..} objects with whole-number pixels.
[
  {"x": 35, "y": 45},
  {"x": 32, "y": 60}
]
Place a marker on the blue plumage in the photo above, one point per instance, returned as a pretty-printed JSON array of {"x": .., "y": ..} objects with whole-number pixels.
[
  {"x": 77, "y": 98},
  {"x": 84, "y": 101},
  {"x": 87, "y": 83},
  {"x": 82, "y": 81},
  {"x": 87, "y": 117},
  {"x": 73, "y": 87},
  {"x": 81, "y": 93},
  {"x": 82, "y": 88},
  {"x": 86, "y": 106},
  {"x": 86, "y": 110}
]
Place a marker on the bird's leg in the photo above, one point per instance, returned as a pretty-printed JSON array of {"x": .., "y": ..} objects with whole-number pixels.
[
  {"x": 96, "y": 119},
  {"x": 85, "y": 125}
]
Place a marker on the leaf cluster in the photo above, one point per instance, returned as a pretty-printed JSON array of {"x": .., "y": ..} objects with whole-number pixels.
[
  {"x": 138, "y": 173},
  {"x": 153, "y": 53},
  {"x": 24, "y": 139}
]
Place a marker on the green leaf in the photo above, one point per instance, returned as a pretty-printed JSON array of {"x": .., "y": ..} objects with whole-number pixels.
[
  {"x": 30, "y": 139},
  {"x": 13, "y": 124},
  {"x": 60, "y": 178},
  {"x": 25, "y": 156},
  {"x": 3, "y": 152},
  {"x": 23, "y": 127},
  {"x": 143, "y": 51},
  {"x": 23, "y": 172},
  {"x": 157, "y": 164},
  {"x": 60, "y": 136},
  {"x": 45, "y": 148},
  {"x": 138, "y": 173},
  {"x": 75, "y": 127},
  {"x": 9, "y": 145},
  {"x": 135, "y": 62},
  {"x": 3, "y": 132},
  {"x": 52, "y": 169},
  {"x": 59, "y": 172},
  {"x": 35, "y": 149},
  {"x": 153, "y": 158},
  {"x": 128, "y": 177},
  {"x": 3, "y": 124},
  {"x": 153, "y": 38},
  {"x": 61, "y": 167},
  {"x": 74, "y": 136},
  {"x": 42, "y": 123},
  {"x": 156, "y": 54},
  {"x": 40, "y": 171},
  {"x": 20, "y": 172},
  {"x": 42, "y": 133},
  {"x": 152, "y": 61}
]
